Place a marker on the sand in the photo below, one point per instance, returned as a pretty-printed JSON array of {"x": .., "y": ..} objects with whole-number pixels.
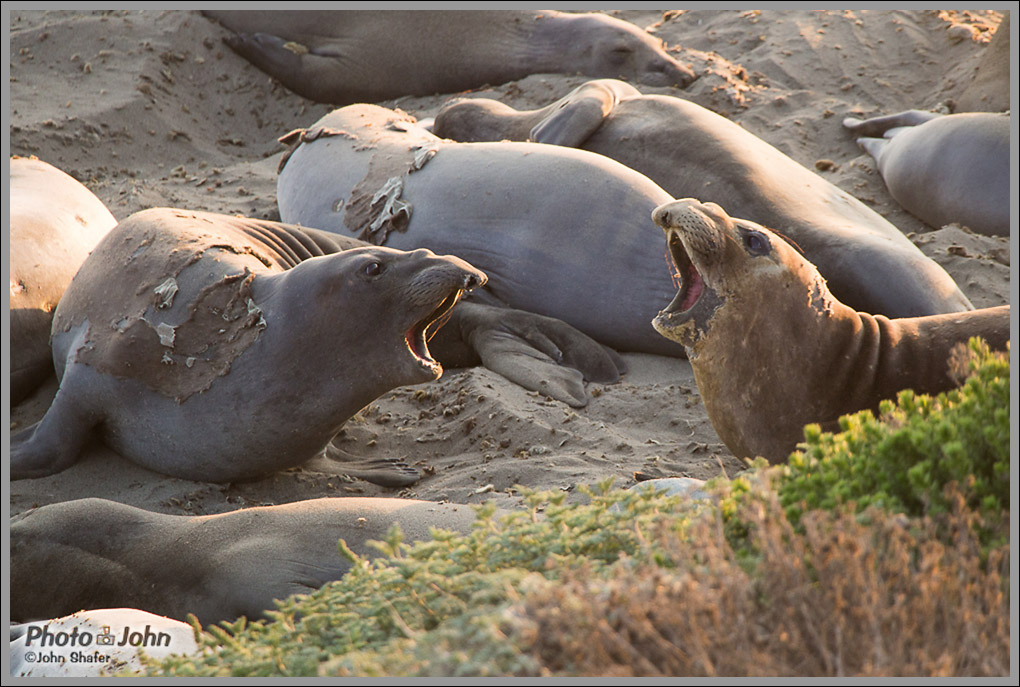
[{"x": 149, "y": 108}]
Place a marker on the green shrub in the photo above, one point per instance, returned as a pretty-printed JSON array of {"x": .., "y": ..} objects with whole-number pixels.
[
  {"x": 902, "y": 460},
  {"x": 776, "y": 576}
]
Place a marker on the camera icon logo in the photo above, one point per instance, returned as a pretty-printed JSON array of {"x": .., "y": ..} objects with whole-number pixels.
[{"x": 104, "y": 637}]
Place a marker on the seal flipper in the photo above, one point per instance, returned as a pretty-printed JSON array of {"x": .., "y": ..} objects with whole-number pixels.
[
  {"x": 577, "y": 118},
  {"x": 290, "y": 63},
  {"x": 52, "y": 444},
  {"x": 873, "y": 146},
  {"x": 537, "y": 352},
  {"x": 386, "y": 472},
  {"x": 877, "y": 126}
]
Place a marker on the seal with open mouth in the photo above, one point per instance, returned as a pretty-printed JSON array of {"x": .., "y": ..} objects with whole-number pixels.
[
  {"x": 692, "y": 152},
  {"x": 772, "y": 350},
  {"x": 221, "y": 348}
]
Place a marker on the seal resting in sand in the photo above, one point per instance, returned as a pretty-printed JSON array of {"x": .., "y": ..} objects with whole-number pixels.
[
  {"x": 221, "y": 348},
  {"x": 772, "y": 350},
  {"x": 944, "y": 168},
  {"x": 367, "y": 56},
  {"x": 693, "y": 152},
  {"x": 559, "y": 232},
  {"x": 55, "y": 222},
  {"x": 94, "y": 553}
]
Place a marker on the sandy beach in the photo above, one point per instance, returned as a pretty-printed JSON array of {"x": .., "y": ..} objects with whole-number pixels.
[{"x": 150, "y": 108}]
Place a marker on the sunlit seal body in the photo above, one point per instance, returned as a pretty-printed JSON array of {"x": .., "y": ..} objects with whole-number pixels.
[
  {"x": 772, "y": 350},
  {"x": 55, "y": 222},
  {"x": 344, "y": 57},
  {"x": 692, "y": 152},
  {"x": 944, "y": 168},
  {"x": 220, "y": 348},
  {"x": 559, "y": 232},
  {"x": 94, "y": 553}
]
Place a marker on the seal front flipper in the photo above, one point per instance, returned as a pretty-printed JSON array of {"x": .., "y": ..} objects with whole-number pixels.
[
  {"x": 291, "y": 63},
  {"x": 52, "y": 444},
  {"x": 537, "y": 352},
  {"x": 386, "y": 472},
  {"x": 577, "y": 116},
  {"x": 878, "y": 126}
]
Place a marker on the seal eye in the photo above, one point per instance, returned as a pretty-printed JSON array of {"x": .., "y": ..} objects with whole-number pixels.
[
  {"x": 373, "y": 269},
  {"x": 756, "y": 243}
]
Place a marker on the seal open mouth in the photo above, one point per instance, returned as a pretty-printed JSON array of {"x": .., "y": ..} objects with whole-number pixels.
[
  {"x": 689, "y": 283},
  {"x": 417, "y": 336}
]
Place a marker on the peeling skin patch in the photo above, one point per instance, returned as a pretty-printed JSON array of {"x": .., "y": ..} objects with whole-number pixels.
[
  {"x": 375, "y": 207},
  {"x": 295, "y": 138},
  {"x": 165, "y": 333},
  {"x": 423, "y": 154},
  {"x": 165, "y": 293},
  {"x": 220, "y": 325},
  {"x": 180, "y": 349}
]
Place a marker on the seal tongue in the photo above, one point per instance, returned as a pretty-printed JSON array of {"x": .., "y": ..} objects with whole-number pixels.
[
  {"x": 417, "y": 336},
  {"x": 688, "y": 280}
]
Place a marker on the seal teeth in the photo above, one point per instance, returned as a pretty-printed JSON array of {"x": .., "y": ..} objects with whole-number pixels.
[
  {"x": 685, "y": 275},
  {"x": 418, "y": 335}
]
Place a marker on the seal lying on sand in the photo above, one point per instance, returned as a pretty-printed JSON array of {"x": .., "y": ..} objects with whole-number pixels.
[
  {"x": 367, "y": 56},
  {"x": 693, "y": 152},
  {"x": 220, "y": 348},
  {"x": 772, "y": 350},
  {"x": 944, "y": 168},
  {"x": 559, "y": 232},
  {"x": 55, "y": 222},
  {"x": 94, "y": 553}
]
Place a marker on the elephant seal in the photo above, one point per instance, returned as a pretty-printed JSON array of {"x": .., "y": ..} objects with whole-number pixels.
[
  {"x": 944, "y": 168},
  {"x": 94, "y": 553},
  {"x": 366, "y": 56},
  {"x": 54, "y": 223},
  {"x": 97, "y": 643},
  {"x": 563, "y": 233},
  {"x": 772, "y": 350},
  {"x": 693, "y": 152},
  {"x": 220, "y": 348}
]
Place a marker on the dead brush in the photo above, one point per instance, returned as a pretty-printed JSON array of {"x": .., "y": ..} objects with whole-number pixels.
[{"x": 878, "y": 595}]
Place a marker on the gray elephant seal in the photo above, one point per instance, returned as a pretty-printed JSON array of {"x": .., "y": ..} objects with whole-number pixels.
[
  {"x": 54, "y": 223},
  {"x": 563, "y": 233},
  {"x": 367, "y": 56},
  {"x": 220, "y": 348},
  {"x": 692, "y": 152},
  {"x": 94, "y": 553},
  {"x": 944, "y": 168},
  {"x": 772, "y": 350}
]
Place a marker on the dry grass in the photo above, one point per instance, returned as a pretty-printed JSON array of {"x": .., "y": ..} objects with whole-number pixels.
[{"x": 887, "y": 597}]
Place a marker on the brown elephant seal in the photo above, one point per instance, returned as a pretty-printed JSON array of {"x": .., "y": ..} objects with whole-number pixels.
[
  {"x": 944, "y": 168},
  {"x": 560, "y": 232},
  {"x": 93, "y": 553},
  {"x": 693, "y": 152},
  {"x": 54, "y": 223},
  {"x": 344, "y": 57},
  {"x": 772, "y": 350},
  {"x": 220, "y": 348}
]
